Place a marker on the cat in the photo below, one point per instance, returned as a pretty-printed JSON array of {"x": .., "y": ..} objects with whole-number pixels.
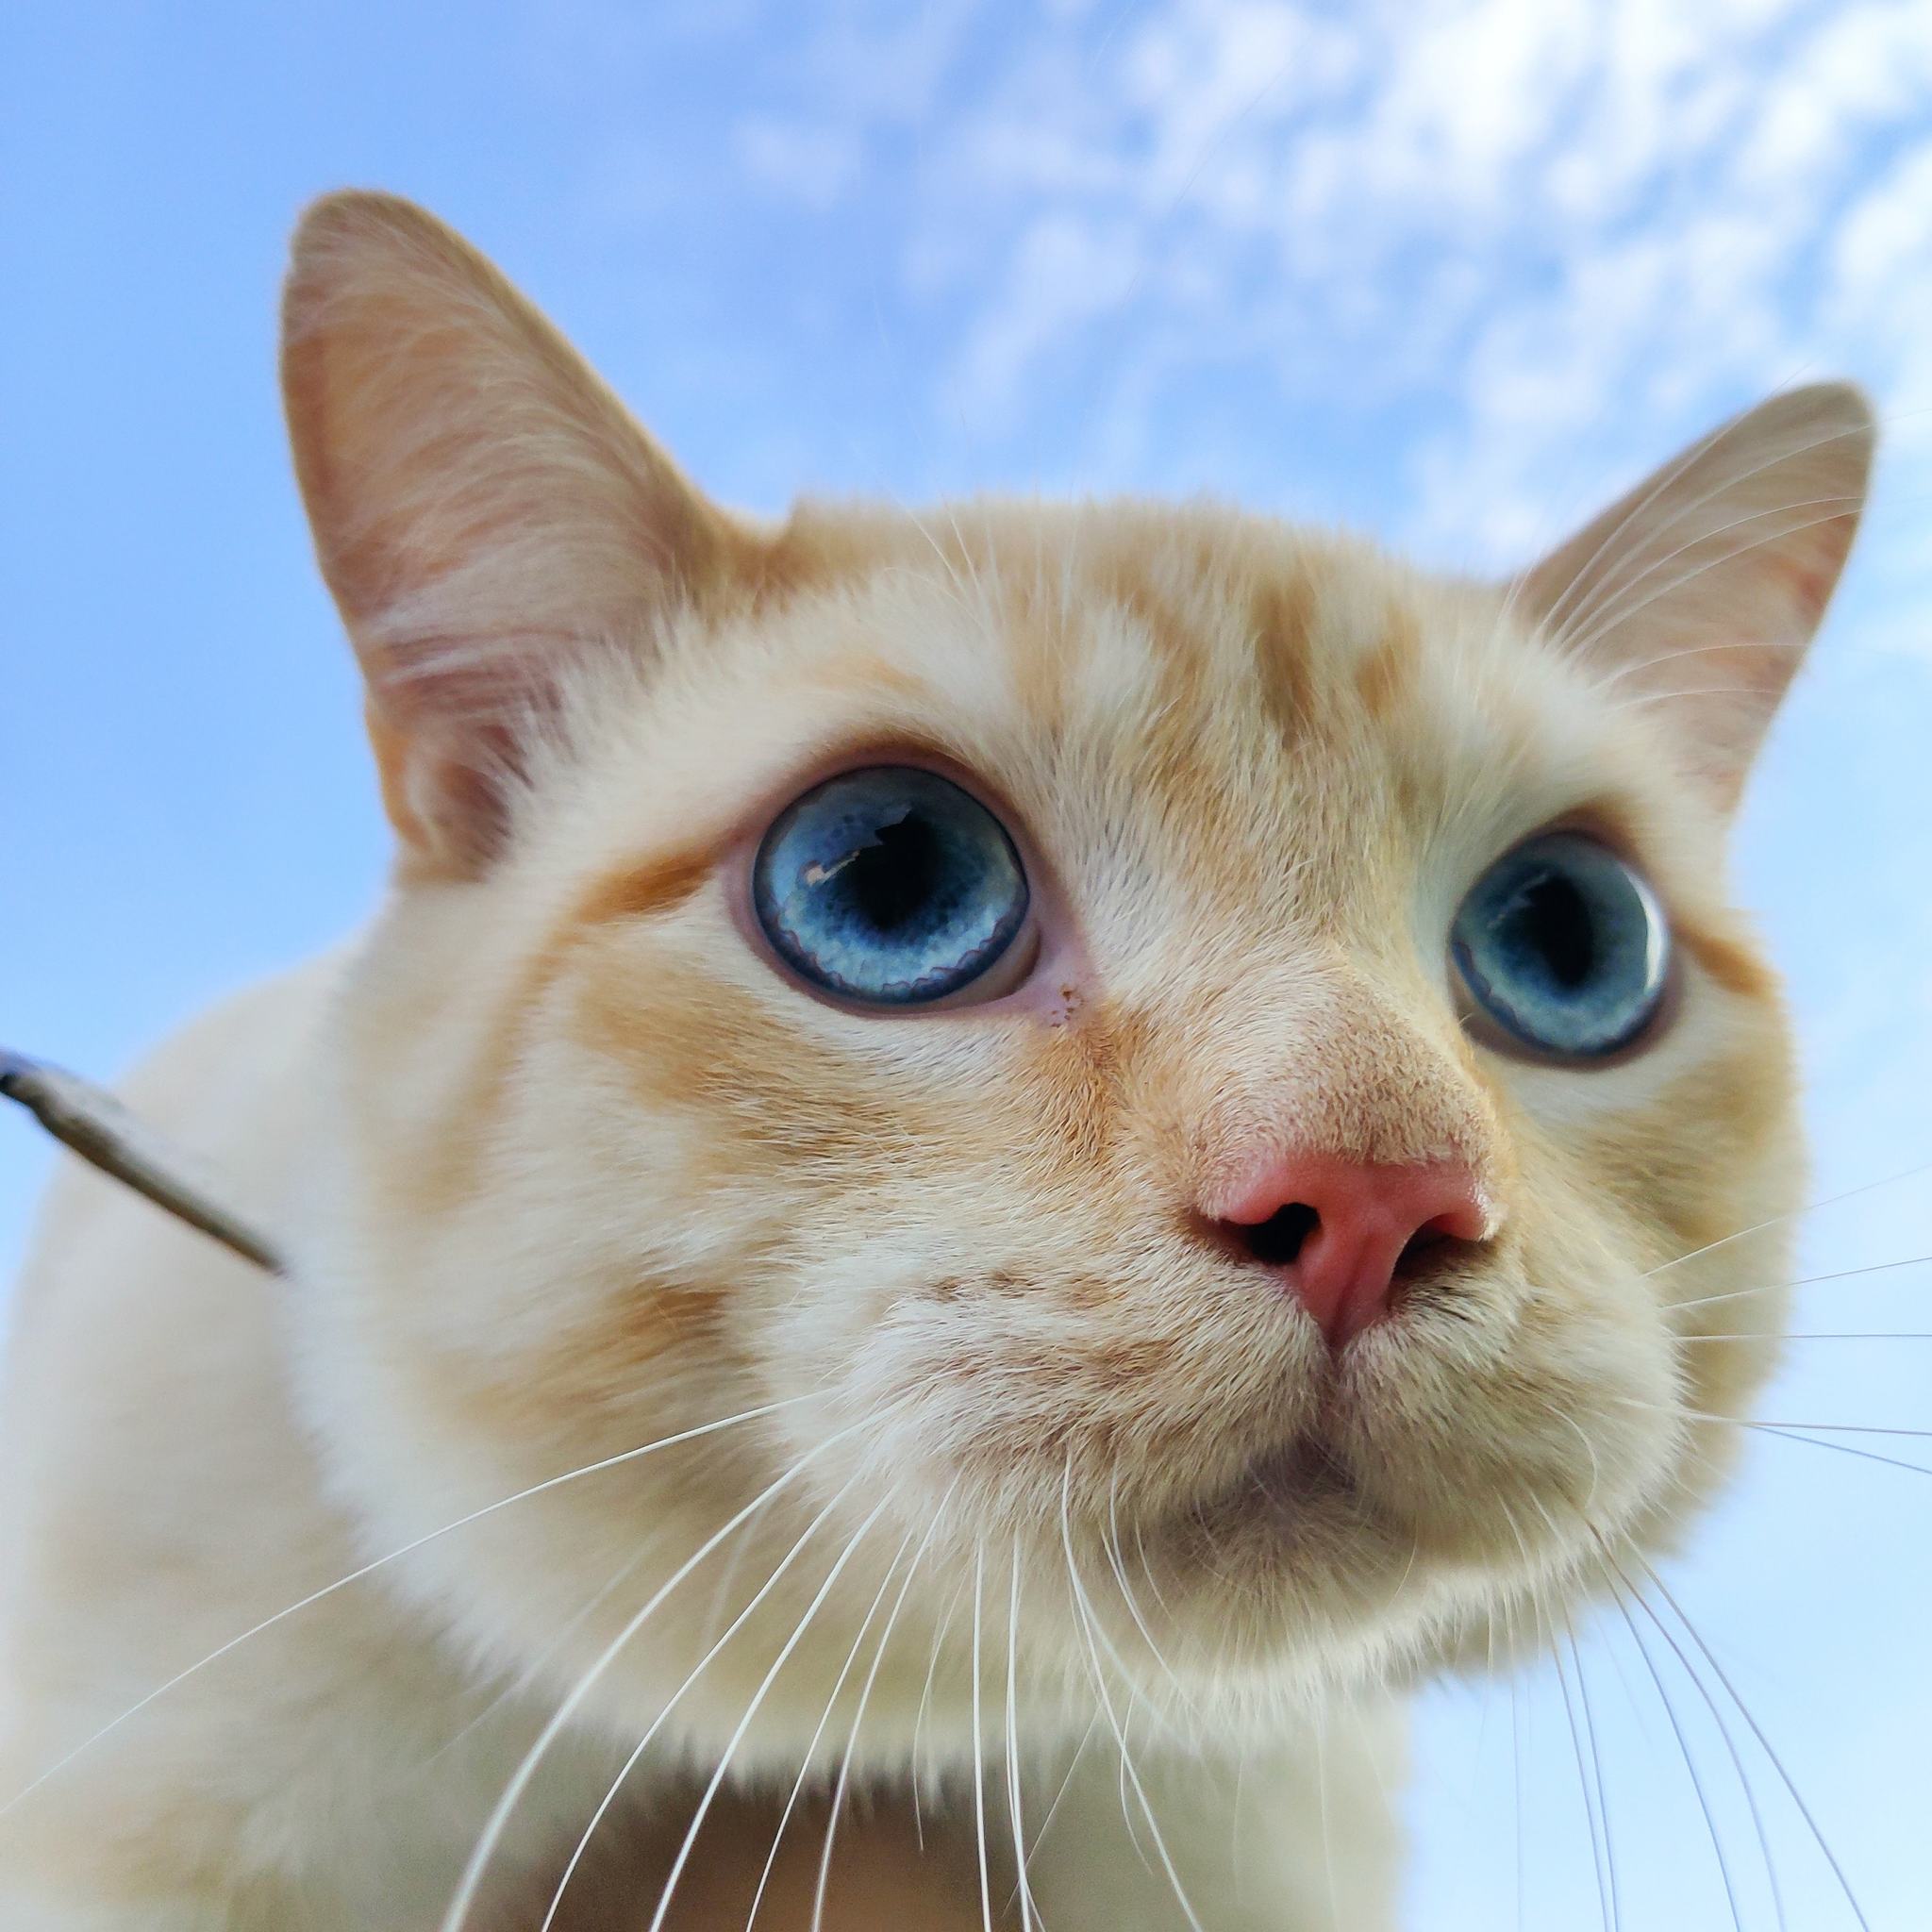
[{"x": 994, "y": 1171}]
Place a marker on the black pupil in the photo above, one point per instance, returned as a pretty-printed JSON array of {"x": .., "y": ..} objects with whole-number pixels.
[
  {"x": 894, "y": 877},
  {"x": 1550, "y": 919}
]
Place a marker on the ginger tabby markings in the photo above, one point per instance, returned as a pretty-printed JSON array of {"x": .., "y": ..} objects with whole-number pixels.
[{"x": 1072, "y": 1138}]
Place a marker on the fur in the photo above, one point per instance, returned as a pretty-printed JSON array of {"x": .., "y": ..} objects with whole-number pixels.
[{"x": 569, "y": 1166}]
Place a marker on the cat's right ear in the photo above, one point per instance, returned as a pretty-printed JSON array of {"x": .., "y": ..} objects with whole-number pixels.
[
  {"x": 485, "y": 511},
  {"x": 1699, "y": 591}
]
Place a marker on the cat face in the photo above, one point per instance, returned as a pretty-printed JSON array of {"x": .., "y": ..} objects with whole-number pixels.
[{"x": 1199, "y": 1078}]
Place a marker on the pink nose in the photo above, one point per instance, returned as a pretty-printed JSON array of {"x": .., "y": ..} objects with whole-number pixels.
[{"x": 1339, "y": 1229}]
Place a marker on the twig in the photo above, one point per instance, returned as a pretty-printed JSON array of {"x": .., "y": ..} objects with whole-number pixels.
[{"x": 98, "y": 1128}]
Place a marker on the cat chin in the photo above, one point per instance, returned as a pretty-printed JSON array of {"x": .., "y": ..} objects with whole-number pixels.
[{"x": 1296, "y": 1578}]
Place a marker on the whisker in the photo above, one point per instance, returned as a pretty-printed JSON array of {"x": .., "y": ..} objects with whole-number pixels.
[
  {"x": 533, "y": 1668},
  {"x": 493, "y": 1827},
  {"x": 1793, "y": 1432},
  {"x": 1067, "y": 1781},
  {"x": 1516, "y": 1744},
  {"x": 941, "y": 1632},
  {"x": 1590, "y": 1449},
  {"x": 727, "y": 1578},
  {"x": 987, "y": 603},
  {"x": 1764, "y": 1743},
  {"x": 1152, "y": 1582},
  {"x": 1674, "y": 694},
  {"x": 1602, "y": 1802},
  {"x": 657, "y": 1724},
  {"x": 1700, "y": 1415},
  {"x": 1321, "y": 1729},
  {"x": 1013, "y": 1743},
  {"x": 368, "y": 1569},
  {"x": 1841, "y": 1335},
  {"x": 1128, "y": 1774},
  {"x": 1558, "y": 619},
  {"x": 1619, "y": 582},
  {"x": 1091, "y": 1619},
  {"x": 751, "y": 1709},
  {"x": 979, "y": 1747},
  {"x": 1734, "y": 1294},
  {"x": 1790, "y": 1214},
  {"x": 1623, "y": 673},
  {"x": 1564, "y": 624},
  {"x": 1724, "y": 1864},
  {"x": 1723, "y": 1731},
  {"x": 817, "y": 1903},
  {"x": 1591, "y": 1802},
  {"x": 1845, "y": 1449},
  {"x": 1840, "y": 1429},
  {"x": 1111, "y": 1542},
  {"x": 810, "y": 1750}
]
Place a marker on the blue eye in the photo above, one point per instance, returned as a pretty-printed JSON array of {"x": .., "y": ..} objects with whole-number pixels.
[
  {"x": 1564, "y": 946},
  {"x": 890, "y": 885}
]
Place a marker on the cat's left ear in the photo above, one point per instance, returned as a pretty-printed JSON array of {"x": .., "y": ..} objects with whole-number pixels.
[
  {"x": 1698, "y": 591},
  {"x": 486, "y": 512}
]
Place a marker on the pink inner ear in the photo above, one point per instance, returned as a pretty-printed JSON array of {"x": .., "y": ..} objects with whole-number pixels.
[
  {"x": 1811, "y": 587},
  {"x": 448, "y": 788}
]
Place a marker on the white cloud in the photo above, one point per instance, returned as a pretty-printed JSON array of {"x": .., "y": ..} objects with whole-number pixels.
[
  {"x": 1601, "y": 225},
  {"x": 815, "y": 165},
  {"x": 1061, "y": 273}
]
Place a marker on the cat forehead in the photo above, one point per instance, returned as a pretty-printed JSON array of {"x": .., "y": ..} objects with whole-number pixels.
[{"x": 1202, "y": 660}]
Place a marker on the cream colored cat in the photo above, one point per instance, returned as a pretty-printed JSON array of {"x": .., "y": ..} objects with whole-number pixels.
[{"x": 1067, "y": 1141}]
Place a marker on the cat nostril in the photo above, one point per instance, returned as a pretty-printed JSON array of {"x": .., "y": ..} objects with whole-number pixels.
[
  {"x": 1425, "y": 1248},
  {"x": 1280, "y": 1238}
]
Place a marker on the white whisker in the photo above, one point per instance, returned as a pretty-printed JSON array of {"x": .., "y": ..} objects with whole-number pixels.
[
  {"x": 1700, "y": 1415},
  {"x": 1591, "y": 1800},
  {"x": 1066, "y": 1783},
  {"x": 697, "y": 1670},
  {"x": 1321, "y": 1729},
  {"x": 1013, "y": 1743},
  {"x": 1111, "y": 1542},
  {"x": 1724, "y": 1864},
  {"x": 1096, "y": 1633},
  {"x": 472, "y": 1878},
  {"x": 1603, "y": 1796},
  {"x": 1764, "y": 1743},
  {"x": 1790, "y": 1214},
  {"x": 1561, "y": 623},
  {"x": 1516, "y": 1762},
  {"x": 1129, "y": 1775},
  {"x": 1564, "y": 632},
  {"x": 979, "y": 1747},
  {"x": 818, "y": 1903},
  {"x": 941, "y": 1632},
  {"x": 1717, "y": 1718},
  {"x": 1841, "y": 1335},
  {"x": 533, "y": 1667},
  {"x": 1734, "y": 1294},
  {"x": 1790, "y": 1434},
  {"x": 368, "y": 1569},
  {"x": 751, "y": 1710},
  {"x": 810, "y": 1751}
]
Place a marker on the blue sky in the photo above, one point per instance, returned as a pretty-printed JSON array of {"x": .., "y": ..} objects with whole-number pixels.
[{"x": 1452, "y": 272}]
